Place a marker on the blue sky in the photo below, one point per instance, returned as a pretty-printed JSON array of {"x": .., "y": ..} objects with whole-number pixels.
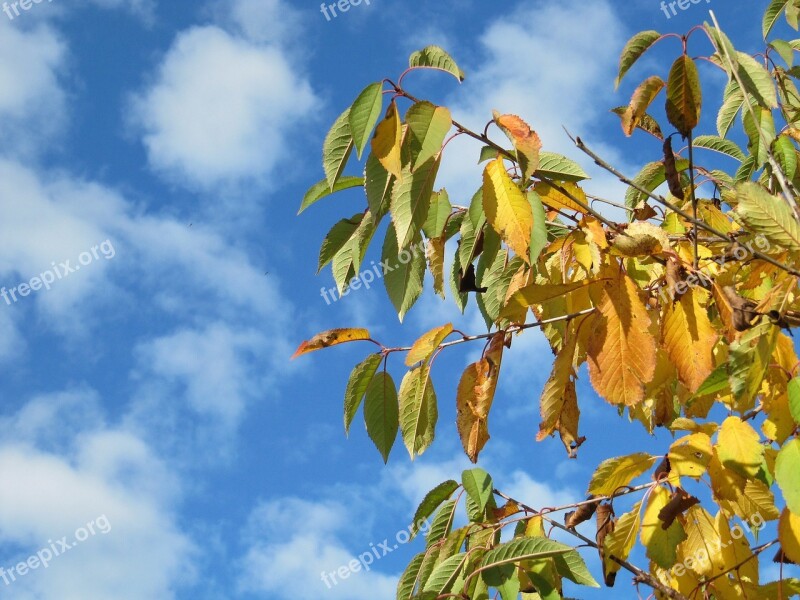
[{"x": 164, "y": 148}]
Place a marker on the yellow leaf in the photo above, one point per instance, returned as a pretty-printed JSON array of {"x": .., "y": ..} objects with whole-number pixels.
[
  {"x": 641, "y": 239},
  {"x": 427, "y": 344},
  {"x": 736, "y": 549},
  {"x": 789, "y": 534},
  {"x": 387, "y": 141},
  {"x": 507, "y": 209},
  {"x": 539, "y": 293},
  {"x": 738, "y": 447},
  {"x": 621, "y": 541},
  {"x": 553, "y": 395},
  {"x": 618, "y": 472},
  {"x": 622, "y": 354},
  {"x": 690, "y": 455},
  {"x": 643, "y": 96},
  {"x": 475, "y": 396},
  {"x": 557, "y": 200},
  {"x": 594, "y": 231},
  {"x": 661, "y": 544},
  {"x": 332, "y": 337},
  {"x": 725, "y": 484},
  {"x": 701, "y": 550},
  {"x": 689, "y": 338}
]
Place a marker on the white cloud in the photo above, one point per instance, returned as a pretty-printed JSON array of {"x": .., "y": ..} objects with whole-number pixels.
[
  {"x": 221, "y": 110},
  {"x": 562, "y": 75},
  {"x": 262, "y": 21},
  {"x": 214, "y": 366},
  {"x": 101, "y": 473},
  {"x": 31, "y": 101},
  {"x": 290, "y": 566}
]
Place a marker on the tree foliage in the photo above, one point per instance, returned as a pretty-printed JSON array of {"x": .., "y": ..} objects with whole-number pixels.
[{"x": 683, "y": 308}]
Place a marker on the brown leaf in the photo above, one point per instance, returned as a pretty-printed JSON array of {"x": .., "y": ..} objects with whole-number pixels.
[
  {"x": 581, "y": 514},
  {"x": 670, "y": 170},
  {"x": 475, "y": 396},
  {"x": 605, "y": 525},
  {"x": 679, "y": 503},
  {"x": 662, "y": 470}
]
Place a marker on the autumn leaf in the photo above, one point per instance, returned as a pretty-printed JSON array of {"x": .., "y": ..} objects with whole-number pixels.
[
  {"x": 558, "y": 200},
  {"x": 642, "y": 98},
  {"x": 688, "y": 337},
  {"x": 475, "y": 396},
  {"x": 615, "y": 473},
  {"x": 418, "y": 410},
  {"x": 526, "y": 142},
  {"x": 386, "y": 142},
  {"x": 739, "y": 448},
  {"x": 507, "y": 209},
  {"x": 622, "y": 353},
  {"x": 332, "y": 337},
  {"x": 684, "y": 98},
  {"x": 427, "y": 344}
]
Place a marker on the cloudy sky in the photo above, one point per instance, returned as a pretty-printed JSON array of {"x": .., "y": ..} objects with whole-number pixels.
[{"x": 153, "y": 155}]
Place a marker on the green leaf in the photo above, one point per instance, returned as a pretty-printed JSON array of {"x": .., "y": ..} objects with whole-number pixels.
[
  {"x": 321, "y": 189},
  {"x": 768, "y": 215},
  {"x": 715, "y": 382},
  {"x": 684, "y": 98},
  {"x": 539, "y": 234},
  {"x": 405, "y": 273},
  {"x": 434, "y": 57},
  {"x": 771, "y": 16},
  {"x": 633, "y": 50},
  {"x": 337, "y": 148},
  {"x": 438, "y": 214},
  {"x": 408, "y": 580},
  {"x": 748, "y": 361},
  {"x": 337, "y": 237},
  {"x": 786, "y": 155},
  {"x": 478, "y": 485},
  {"x": 418, "y": 410},
  {"x": 347, "y": 261},
  {"x": 757, "y": 80},
  {"x": 364, "y": 114},
  {"x": 763, "y": 123},
  {"x": 785, "y": 50},
  {"x": 559, "y": 167},
  {"x": 378, "y": 184},
  {"x": 787, "y": 468},
  {"x": 431, "y": 502},
  {"x": 568, "y": 562},
  {"x": 445, "y": 574},
  {"x": 719, "y": 144},
  {"x": 411, "y": 200},
  {"x": 619, "y": 472},
  {"x": 357, "y": 385},
  {"x": 733, "y": 100},
  {"x": 428, "y": 126},
  {"x": 381, "y": 413},
  {"x": 442, "y": 523},
  {"x": 794, "y": 399}
]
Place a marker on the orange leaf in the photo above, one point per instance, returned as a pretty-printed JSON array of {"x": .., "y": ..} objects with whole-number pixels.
[
  {"x": 689, "y": 338},
  {"x": 332, "y": 337},
  {"x": 475, "y": 396},
  {"x": 622, "y": 354}
]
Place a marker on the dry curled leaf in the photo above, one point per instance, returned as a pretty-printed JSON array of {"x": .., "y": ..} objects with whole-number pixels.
[{"x": 679, "y": 503}]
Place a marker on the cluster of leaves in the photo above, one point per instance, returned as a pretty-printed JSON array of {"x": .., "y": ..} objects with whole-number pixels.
[{"x": 679, "y": 310}]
